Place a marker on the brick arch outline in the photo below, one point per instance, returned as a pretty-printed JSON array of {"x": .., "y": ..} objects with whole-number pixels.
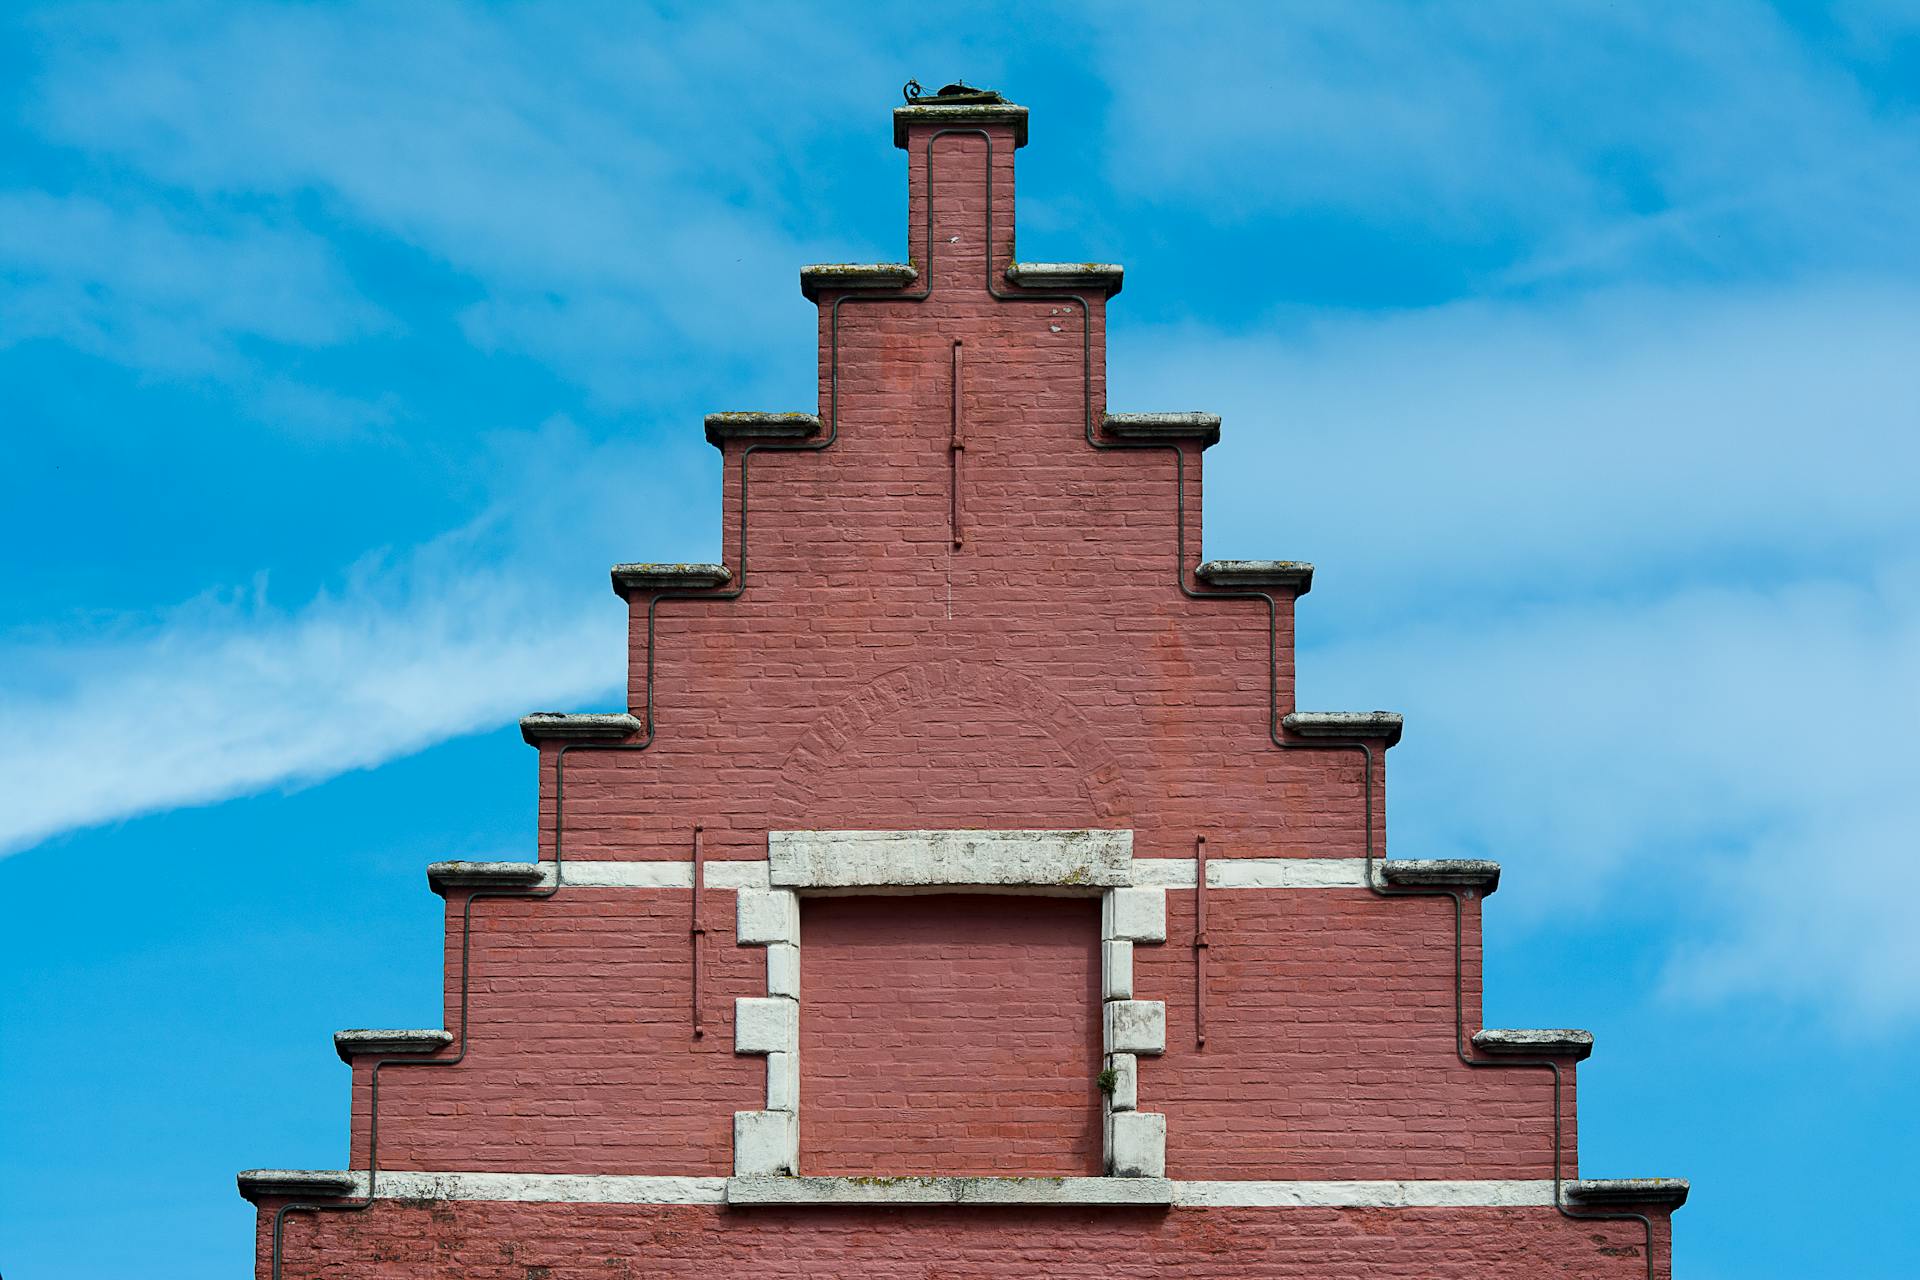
[{"x": 952, "y": 681}]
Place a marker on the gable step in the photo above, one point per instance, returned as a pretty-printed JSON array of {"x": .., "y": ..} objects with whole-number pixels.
[
  {"x": 1165, "y": 428},
  {"x": 1347, "y": 724},
  {"x": 1291, "y": 575},
  {"x": 256, "y": 1184},
  {"x": 855, "y": 275},
  {"x": 1557, "y": 1043},
  {"x": 722, "y": 427},
  {"x": 1102, "y": 276},
  {"x": 360, "y": 1042},
  {"x": 557, "y": 726},
  {"x": 442, "y": 876},
  {"x": 666, "y": 577},
  {"x": 1435, "y": 873},
  {"x": 1667, "y": 1193}
]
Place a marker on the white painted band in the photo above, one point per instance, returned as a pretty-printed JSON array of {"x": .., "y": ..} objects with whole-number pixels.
[
  {"x": 1153, "y": 873},
  {"x": 607, "y": 1188}
]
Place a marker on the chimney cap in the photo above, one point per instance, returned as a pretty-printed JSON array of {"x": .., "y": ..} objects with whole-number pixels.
[{"x": 956, "y": 104}]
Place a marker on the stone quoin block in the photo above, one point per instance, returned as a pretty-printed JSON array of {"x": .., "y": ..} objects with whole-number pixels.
[
  {"x": 1137, "y": 1144},
  {"x": 783, "y": 970},
  {"x": 783, "y": 1081},
  {"x": 765, "y": 916},
  {"x": 764, "y": 1143},
  {"x": 1134, "y": 915},
  {"x": 1125, "y": 1095},
  {"x": 1136, "y": 1026},
  {"x": 765, "y": 1024},
  {"x": 1116, "y": 970}
]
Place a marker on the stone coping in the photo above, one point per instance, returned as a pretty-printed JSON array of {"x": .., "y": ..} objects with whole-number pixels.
[
  {"x": 330, "y": 1184},
  {"x": 1655, "y": 1194},
  {"x": 960, "y": 113},
  {"x": 359, "y": 1041},
  {"x": 1292, "y": 575},
  {"x": 1346, "y": 724},
  {"x": 1562, "y": 1042},
  {"x": 1169, "y": 428},
  {"x": 666, "y": 577},
  {"x": 722, "y": 427},
  {"x": 855, "y": 275},
  {"x": 1071, "y": 1192},
  {"x": 442, "y": 876},
  {"x": 1667, "y": 1193},
  {"x": 1103, "y": 277},
  {"x": 1462, "y": 873},
  {"x": 558, "y": 726}
]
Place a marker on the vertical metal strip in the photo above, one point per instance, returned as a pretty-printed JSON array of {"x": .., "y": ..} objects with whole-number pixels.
[
  {"x": 957, "y": 449},
  {"x": 697, "y": 934},
  {"x": 1200, "y": 940}
]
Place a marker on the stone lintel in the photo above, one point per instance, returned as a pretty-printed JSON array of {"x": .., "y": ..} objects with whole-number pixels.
[
  {"x": 555, "y": 726},
  {"x": 1066, "y": 1192},
  {"x": 1442, "y": 873},
  {"x": 1169, "y": 428},
  {"x": 325, "y": 1184},
  {"x": 443, "y": 876},
  {"x": 359, "y": 1042},
  {"x": 668, "y": 577},
  {"x": 959, "y": 114},
  {"x": 722, "y": 427},
  {"x": 1555, "y": 1043},
  {"x": 1385, "y": 725},
  {"x": 1289, "y": 575},
  {"x": 1092, "y": 277},
  {"x": 1668, "y": 1193},
  {"x": 855, "y": 275},
  {"x": 1087, "y": 859}
]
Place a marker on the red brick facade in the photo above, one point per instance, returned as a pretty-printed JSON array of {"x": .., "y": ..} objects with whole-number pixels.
[{"x": 1013, "y": 635}]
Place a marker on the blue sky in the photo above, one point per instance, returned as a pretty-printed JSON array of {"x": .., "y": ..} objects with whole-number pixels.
[{"x": 342, "y": 349}]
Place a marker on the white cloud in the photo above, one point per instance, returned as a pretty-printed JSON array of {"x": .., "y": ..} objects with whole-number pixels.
[
  {"x": 1476, "y": 453},
  {"x": 1736, "y": 762},
  {"x": 1644, "y": 570},
  {"x": 230, "y": 694},
  {"x": 166, "y": 292},
  {"x": 568, "y": 169},
  {"x": 1575, "y": 142}
]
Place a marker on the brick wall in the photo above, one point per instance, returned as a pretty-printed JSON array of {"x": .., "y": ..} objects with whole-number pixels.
[
  {"x": 1048, "y": 674},
  {"x": 950, "y": 1034},
  {"x": 475, "y": 1241}
]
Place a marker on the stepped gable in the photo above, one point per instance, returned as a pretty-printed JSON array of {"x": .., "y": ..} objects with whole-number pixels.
[{"x": 961, "y": 885}]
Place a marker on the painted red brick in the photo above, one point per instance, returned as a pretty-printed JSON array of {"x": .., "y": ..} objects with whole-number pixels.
[
  {"x": 474, "y": 1241},
  {"x": 950, "y": 1034},
  {"x": 1050, "y": 673}
]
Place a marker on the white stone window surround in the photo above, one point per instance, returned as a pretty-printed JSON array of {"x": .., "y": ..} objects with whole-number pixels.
[{"x": 1077, "y": 862}]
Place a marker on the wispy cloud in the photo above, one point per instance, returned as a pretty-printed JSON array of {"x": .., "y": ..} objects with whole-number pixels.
[
  {"x": 232, "y": 693},
  {"x": 1645, "y": 572},
  {"x": 1568, "y": 143},
  {"x": 166, "y": 291},
  {"x": 1734, "y": 761},
  {"x": 559, "y": 170}
]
